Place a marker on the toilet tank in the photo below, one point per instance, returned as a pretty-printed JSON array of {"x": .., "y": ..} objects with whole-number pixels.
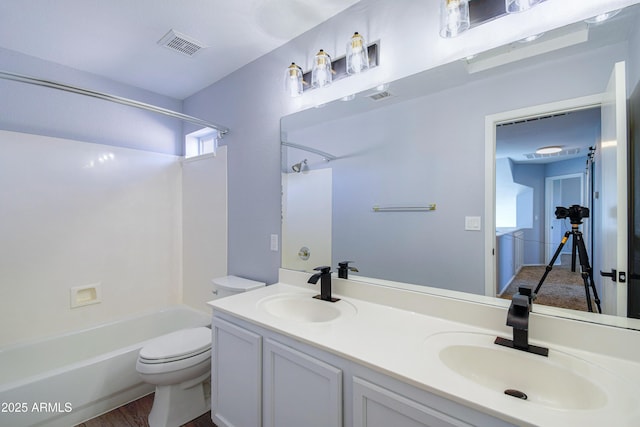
[{"x": 231, "y": 285}]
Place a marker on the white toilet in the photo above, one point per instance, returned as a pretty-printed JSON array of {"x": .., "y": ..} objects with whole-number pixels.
[{"x": 179, "y": 365}]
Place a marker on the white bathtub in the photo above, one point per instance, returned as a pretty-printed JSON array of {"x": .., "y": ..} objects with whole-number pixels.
[{"x": 67, "y": 379}]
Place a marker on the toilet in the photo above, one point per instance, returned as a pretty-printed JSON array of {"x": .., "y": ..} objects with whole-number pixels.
[{"x": 179, "y": 365}]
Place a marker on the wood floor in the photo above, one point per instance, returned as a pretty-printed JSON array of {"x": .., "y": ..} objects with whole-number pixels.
[{"x": 134, "y": 414}]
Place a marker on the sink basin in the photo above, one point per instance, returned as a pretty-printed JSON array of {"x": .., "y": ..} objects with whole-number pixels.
[
  {"x": 305, "y": 308},
  {"x": 560, "y": 381}
]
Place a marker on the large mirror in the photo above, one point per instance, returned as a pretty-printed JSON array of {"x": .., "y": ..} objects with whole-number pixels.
[{"x": 396, "y": 178}]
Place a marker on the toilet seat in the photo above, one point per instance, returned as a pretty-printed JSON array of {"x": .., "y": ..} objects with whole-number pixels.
[{"x": 176, "y": 346}]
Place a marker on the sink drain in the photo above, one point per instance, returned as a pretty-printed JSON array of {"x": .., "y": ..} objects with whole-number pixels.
[{"x": 516, "y": 393}]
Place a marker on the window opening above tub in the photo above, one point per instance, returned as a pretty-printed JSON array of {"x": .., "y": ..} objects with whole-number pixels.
[{"x": 203, "y": 142}]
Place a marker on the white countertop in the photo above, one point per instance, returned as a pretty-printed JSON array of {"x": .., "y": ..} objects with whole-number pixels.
[{"x": 392, "y": 341}]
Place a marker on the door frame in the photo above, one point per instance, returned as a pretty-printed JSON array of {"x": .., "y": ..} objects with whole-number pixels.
[
  {"x": 491, "y": 121},
  {"x": 548, "y": 211}
]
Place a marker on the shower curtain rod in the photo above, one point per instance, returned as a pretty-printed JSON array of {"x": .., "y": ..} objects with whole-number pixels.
[
  {"x": 112, "y": 98},
  {"x": 328, "y": 157}
]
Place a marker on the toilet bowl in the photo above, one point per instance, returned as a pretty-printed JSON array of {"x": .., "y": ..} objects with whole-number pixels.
[{"x": 179, "y": 365}]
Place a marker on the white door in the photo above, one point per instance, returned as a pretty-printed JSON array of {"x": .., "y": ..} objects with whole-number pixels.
[
  {"x": 610, "y": 205},
  {"x": 564, "y": 190}
]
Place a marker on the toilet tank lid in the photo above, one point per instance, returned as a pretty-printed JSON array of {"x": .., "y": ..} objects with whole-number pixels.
[{"x": 236, "y": 283}]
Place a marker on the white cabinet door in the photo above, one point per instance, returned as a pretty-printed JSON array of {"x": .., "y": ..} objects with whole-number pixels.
[
  {"x": 300, "y": 390},
  {"x": 236, "y": 386},
  {"x": 376, "y": 406}
]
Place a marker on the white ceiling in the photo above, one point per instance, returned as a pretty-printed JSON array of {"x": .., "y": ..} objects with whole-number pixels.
[
  {"x": 118, "y": 39},
  {"x": 573, "y": 131}
]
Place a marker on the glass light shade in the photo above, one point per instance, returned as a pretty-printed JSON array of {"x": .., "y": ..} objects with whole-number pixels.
[
  {"x": 357, "y": 54},
  {"x": 293, "y": 80},
  {"x": 454, "y": 17},
  {"x": 515, "y": 6},
  {"x": 321, "y": 71}
]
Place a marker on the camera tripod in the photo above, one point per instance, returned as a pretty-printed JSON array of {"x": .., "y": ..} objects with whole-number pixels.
[{"x": 586, "y": 270}]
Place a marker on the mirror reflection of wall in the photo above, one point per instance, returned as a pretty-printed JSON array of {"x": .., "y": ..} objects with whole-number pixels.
[{"x": 425, "y": 143}]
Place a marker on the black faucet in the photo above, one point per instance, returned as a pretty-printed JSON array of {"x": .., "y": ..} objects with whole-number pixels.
[
  {"x": 518, "y": 319},
  {"x": 325, "y": 283},
  {"x": 343, "y": 269}
]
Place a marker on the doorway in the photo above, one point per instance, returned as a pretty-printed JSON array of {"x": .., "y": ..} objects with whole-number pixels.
[{"x": 535, "y": 240}]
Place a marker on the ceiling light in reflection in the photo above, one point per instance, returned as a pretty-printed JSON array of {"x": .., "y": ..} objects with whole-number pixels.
[{"x": 552, "y": 149}]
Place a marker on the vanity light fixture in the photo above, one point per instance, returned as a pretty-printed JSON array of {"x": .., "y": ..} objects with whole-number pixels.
[
  {"x": 324, "y": 71},
  {"x": 454, "y": 17},
  {"x": 321, "y": 73},
  {"x": 293, "y": 80},
  {"x": 515, "y": 6},
  {"x": 551, "y": 149},
  {"x": 457, "y": 16},
  {"x": 357, "y": 54}
]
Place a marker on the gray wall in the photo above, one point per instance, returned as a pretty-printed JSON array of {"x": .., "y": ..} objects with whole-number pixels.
[
  {"x": 42, "y": 111},
  {"x": 534, "y": 176}
]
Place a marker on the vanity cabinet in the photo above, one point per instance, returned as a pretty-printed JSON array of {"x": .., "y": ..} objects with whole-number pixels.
[
  {"x": 299, "y": 390},
  {"x": 263, "y": 379},
  {"x": 259, "y": 381},
  {"x": 236, "y": 370},
  {"x": 380, "y": 401},
  {"x": 376, "y": 406}
]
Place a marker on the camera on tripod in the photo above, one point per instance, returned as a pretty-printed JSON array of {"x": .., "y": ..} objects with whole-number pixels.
[{"x": 575, "y": 213}]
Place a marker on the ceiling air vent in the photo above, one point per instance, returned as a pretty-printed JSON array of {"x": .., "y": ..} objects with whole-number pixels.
[
  {"x": 180, "y": 43},
  {"x": 567, "y": 152},
  {"x": 531, "y": 119},
  {"x": 380, "y": 95}
]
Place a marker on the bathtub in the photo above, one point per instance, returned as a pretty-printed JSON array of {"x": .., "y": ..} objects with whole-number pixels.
[{"x": 70, "y": 378}]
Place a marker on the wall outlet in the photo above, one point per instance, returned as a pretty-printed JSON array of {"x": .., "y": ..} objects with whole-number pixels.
[
  {"x": 472, "y": 223},
  {"x": 274, "y": 242}
]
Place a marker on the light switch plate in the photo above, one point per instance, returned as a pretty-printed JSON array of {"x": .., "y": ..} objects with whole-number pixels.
[
  {"x": 472, "y": 223},
  {"x": 274, "y": 242}
]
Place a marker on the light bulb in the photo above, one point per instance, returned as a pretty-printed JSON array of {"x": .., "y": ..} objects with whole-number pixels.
[
  {"x": 357, "y": 55},
  {"x": 321, "y": 71},
  {"x": 293, "y": 80}
]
